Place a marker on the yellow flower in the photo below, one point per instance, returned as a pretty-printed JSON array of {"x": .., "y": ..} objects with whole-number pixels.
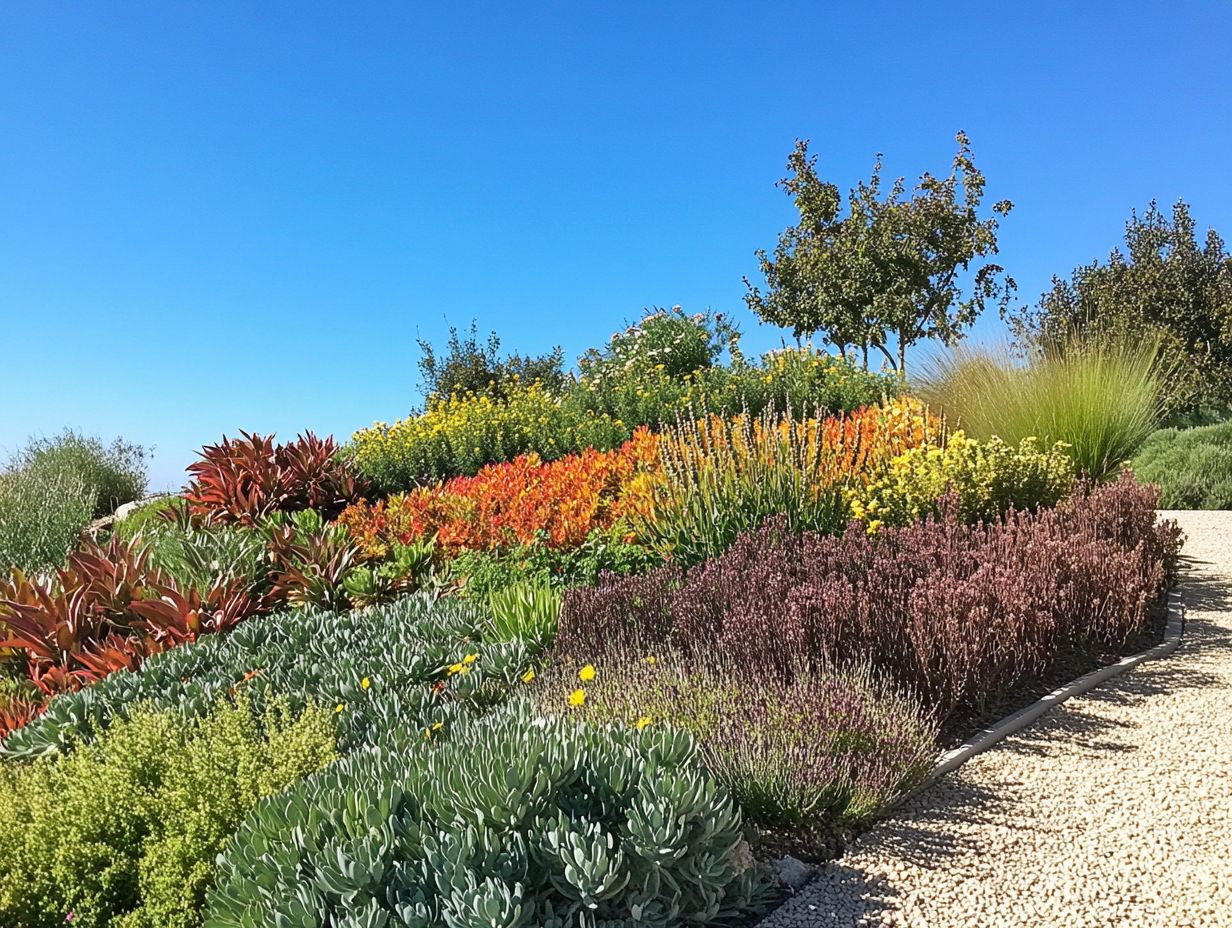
[
  {"x": 470, "y": 658},
  {"x": 437, "y": 726},
  {"x": 577, "y": 697},
  {"x": 651, "y": 659},
  {"x": 454, "y": 668},
  {"x": 365, "y": 683},
  {"x": 587, "y": 673},
  {"x": 528, "y": 676},
  {"x": 642, "y": 722},
  {"x": 339, "y": 707}
]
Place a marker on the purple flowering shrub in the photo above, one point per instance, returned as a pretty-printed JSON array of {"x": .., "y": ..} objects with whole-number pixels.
[
  {"x": 957, "y": 613},
  {"x": 830, "y": 746}
]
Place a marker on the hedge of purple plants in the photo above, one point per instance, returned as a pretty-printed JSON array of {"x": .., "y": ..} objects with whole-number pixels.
[{"x": 957, "y": 614}]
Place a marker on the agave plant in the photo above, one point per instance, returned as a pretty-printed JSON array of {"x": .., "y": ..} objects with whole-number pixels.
[
  {"x": 312, "y": 561},
  {"x": 248, "y": 478}
]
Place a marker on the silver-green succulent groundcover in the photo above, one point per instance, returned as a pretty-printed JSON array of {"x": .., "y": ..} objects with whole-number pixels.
[{"x": 515, "y": 821}]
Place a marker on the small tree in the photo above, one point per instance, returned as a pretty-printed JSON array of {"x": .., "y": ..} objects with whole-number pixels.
[
  {"x": 893, "y": 269},
  {"x": 1166, "y": 285}
]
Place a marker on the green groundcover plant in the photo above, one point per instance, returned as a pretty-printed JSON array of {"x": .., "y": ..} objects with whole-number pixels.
[
  {"x": 1193, "y": 467},
  {"x": 123, "y": 832}
]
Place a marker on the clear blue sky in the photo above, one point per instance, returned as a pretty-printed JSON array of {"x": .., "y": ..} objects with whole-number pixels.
[{"x": 239, "y": 215}]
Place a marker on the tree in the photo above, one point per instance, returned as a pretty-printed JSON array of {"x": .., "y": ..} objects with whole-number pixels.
[
  {"x": 892, "y": 269},
  {"x": 1164, "y": 286},
  {"x": 471, "y": 367}
]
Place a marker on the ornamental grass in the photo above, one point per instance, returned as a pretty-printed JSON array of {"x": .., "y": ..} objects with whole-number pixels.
[{"x": 1101, "y": 399}]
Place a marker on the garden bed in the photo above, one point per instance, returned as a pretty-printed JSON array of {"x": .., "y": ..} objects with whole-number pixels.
[{"x": 545, "y": 655}]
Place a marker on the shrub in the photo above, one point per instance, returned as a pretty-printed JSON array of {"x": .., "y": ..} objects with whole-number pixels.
[
  {"x": 248, "y": 478},
  {"x": 958, "y": 613},
  {"x": 654, "y": 373},
  {"x": 524, "y": 501},
  {"x": 1101, "y": 399},
  {"x": 469, "y": 367},
  {"x": 459, "y": 434},
  {"x": 668, "y": 341},
  {"x": 987, "y": 479},
  {"x": 524, "y": 821},
  {"x": 404, "y": 651},
  {"x": 42, "y": 514},
  {"x": 115, "y": 473},
  {"x": 826, "y": 745},
  {"x": 125, "y": 830},
  {"x": 1193, "y": 467},
  {"x": 718, "y": 478}
]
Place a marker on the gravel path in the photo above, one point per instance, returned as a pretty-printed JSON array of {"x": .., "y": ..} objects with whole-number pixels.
[{"x": 1113, "y": 810}]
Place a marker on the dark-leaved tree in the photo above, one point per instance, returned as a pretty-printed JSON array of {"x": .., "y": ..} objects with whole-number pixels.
[
  {"x": 890, "y": 269},
  {"x": 1165, "y": 285}
]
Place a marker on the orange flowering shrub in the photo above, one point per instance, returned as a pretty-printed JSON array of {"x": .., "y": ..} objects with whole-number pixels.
[{"x": 557, "y": 503}]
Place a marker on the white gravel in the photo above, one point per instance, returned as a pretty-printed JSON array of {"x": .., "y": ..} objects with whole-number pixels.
[{"x": 1114, "y": 809}]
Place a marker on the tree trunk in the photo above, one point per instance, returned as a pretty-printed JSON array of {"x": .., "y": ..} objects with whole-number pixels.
[{"x": 902, "y": 356}]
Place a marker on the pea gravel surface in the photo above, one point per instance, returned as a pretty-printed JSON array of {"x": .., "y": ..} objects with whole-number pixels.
[{"x": 1114, "y": 809}]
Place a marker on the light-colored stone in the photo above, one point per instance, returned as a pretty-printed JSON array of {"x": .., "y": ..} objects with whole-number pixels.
[{"x": 1114, "y": 810}]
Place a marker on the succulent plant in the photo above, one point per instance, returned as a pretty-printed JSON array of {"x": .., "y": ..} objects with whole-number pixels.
[{"x": 516, "y": 820}]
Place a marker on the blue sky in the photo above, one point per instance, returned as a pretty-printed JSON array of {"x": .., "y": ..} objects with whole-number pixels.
[{"x": 236, "y": 215}]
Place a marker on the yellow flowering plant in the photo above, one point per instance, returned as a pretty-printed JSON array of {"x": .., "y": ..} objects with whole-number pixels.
[{"x": 987, "y": 478}]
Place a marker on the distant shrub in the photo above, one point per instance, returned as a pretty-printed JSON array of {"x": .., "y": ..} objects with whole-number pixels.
[
  {"x": 654, "y": 373},
  {"x": 825, "y": 746},
  {"x": 1101, "y": 399},
  {"x": 125, "y": 831},
  {"x": 54, "y": 487},
  {"x": 115, "y": 473},
  {"x": 42, "y": 513},
  {"x": 986, "y": 478},
  {"x": 1193, "y": 467},
  {"x": 667, "y": 367},
  {"x": 468, "y": 367},
  {"x": 520, "y": 821},
  {"x": 957, "y": 613}
]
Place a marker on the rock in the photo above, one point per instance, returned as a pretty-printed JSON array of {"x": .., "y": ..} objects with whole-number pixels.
[{"x": 794, "y": 873}]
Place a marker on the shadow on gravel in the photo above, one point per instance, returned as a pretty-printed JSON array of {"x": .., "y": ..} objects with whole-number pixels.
[{"x": 840, "y": 897}]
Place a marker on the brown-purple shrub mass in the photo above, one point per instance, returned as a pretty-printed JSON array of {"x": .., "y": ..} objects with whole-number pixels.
[{"x": 957, "y": 613}]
